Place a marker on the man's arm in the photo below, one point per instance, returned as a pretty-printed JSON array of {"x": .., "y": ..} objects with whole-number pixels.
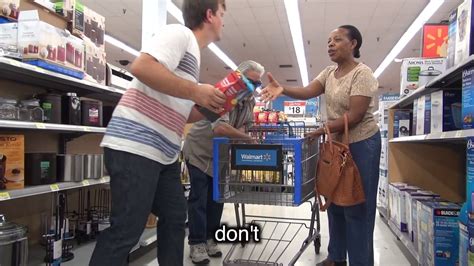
[
  {"x": 225, "y": 130},
  {"x": 156, "y": 76}
]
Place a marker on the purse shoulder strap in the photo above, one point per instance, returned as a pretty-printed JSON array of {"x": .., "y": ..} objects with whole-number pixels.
[{"x": 346, "y": 129}]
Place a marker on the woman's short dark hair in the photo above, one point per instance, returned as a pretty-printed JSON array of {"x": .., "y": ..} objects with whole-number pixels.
[
  {"x": 194, "y": 11},
  {"x": 354, "y": 34}
]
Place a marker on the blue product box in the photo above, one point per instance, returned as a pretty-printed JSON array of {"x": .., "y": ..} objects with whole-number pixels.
[
  {"x": 445, "y": 110},
  {"x": 439, "y": 233},
  {"x": 402, "y": 123},
  {"x": 468, "y": 98},
  {"x": 427, "y": 128},
  {"x": 470, "y": 175}
]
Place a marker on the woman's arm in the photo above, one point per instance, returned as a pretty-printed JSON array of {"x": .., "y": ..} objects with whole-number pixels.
[{"x": 273, "y": 90}]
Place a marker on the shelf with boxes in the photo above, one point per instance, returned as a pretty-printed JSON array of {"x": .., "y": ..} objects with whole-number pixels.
[{"x": 43, "y": 189}]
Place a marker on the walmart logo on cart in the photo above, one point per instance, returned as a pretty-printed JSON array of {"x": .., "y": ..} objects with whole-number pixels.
[{"x": 256, "y": 157}]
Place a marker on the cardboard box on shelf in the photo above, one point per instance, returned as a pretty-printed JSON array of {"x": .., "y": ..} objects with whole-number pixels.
[
  {"x": 411, "y": 210},
  {"x": 438, "y": 233},
  {"x": 420, "y": 116},
  {"x": 468, "y": 98},
  {"x": 9, "y": 39},
  {"x": 415, "y": 117},
  {"x": 427, "y": 122},
  {"x": 403, "y": 215},
  {"x": 393, "y": 200},
  {"x": 384, "y": 155},
  {"x": 452, "y": 39},
  {"x": 12, "y": 161},
  {"x": 9, "y": 9},
  {"x": 402, "y": 123},
  {"x": 73, "y": 11},
  {"x": 417, "y": 72},
  {"x": 446, "y": 110},
  {"x": 464, "y": 39},
  {"x": 95, "y": 63},
  {"x": 47, "y": 46},
  {"x": 94, "y": 27}
]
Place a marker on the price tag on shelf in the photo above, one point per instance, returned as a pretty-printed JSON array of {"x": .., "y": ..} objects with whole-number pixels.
[
  {"x": 295, "y": 107},
  {"x": 4, "y": 196},
  {"x": 15, "y": 63},
  {"x": 40, "y": 126},
  {"x": 87, "y": 129},
  {"x": 54, "y": 187},
  {"x": 103, "y": 180},
  {"x": 85, "y": 183},
  {"x": 443, "y": 135},
  {"x": 459, "y": 134}
]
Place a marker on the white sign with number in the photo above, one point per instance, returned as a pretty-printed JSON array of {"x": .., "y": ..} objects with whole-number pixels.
[{"x": 295, "y": 107}]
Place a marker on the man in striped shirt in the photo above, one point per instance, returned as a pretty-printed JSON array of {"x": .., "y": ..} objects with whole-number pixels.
[{"x": 142, "y": 141}]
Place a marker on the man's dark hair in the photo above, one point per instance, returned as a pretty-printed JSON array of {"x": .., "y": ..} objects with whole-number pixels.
[
  {"x": 194, "y": 11},
  {"x": 354, "y": 34}
]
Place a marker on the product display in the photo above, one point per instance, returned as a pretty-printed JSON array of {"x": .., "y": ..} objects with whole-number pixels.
[
  {"x": 446, "y": 111},
  {"x": 95, "y": 64},
  {"x": 91, "y": 113},
  {"x": 12, "y": 161},
  {"x": 13, "y": 243},
  {"x": 31, "y": 111},
  {"x": 420, "y": 115},
  {"x": 417, "y": 72},
  {"x": 51, "y": 104},
  {"x": 10, "y": 8},
  {"x": 9, "y": 40},
  {"x": 464, "y": 39},
  {"x": 9, "y": 109},
  {"x": 468, "y": 98},
  {"x": 40, "y": 169},
  {"x": 402, "y": 123},
  {"x": 71, "y": 106},
  {"x": 452, "y": 30},
  {"x": 94, "y": 28},
  {"x": 438, "y": 230}
]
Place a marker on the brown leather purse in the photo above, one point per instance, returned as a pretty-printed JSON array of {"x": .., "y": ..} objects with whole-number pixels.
[{"x": 338, "y": 178}]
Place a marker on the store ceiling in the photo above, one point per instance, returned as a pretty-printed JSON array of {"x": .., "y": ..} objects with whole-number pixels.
[{"x": 259, "y": 30}]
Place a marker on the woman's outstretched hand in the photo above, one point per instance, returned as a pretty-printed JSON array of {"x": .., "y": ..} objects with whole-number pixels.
[{"x": 272, "y": 91}]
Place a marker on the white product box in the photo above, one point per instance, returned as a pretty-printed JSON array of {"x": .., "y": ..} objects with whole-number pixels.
[
  {"x": 464, "y": 40},
  {"x": 8, "y": 38},
  {"x": 382, "y": 198},
  {"x": 410, "y": 205},
  {"x": 384, "y": 155},
  {"x": 403, "y": 197},
  {"x": 416, "y": 72},
  {"x": 393, "y": 201},
  {"x": 420, "y": 116}
]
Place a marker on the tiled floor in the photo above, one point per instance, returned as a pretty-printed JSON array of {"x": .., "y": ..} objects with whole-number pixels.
[{"x": 388, "y": 250}]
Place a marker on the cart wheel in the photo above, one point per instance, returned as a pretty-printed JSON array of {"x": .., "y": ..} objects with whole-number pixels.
[{"x": 317, "y": 245}]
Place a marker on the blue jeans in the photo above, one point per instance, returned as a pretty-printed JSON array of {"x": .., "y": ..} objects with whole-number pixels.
[
  {"x": 140, "y": 186},
  {"x": 204, "y": 214},
  {"x": 351, "y": 229}
]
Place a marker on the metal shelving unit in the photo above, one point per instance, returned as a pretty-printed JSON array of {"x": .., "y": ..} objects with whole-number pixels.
[
  {"x": 24, "y": 73},
  {"x": 8, "y": 124},
  {"x": 44, "y": 189},
  {"x": 450, "y": 136}
]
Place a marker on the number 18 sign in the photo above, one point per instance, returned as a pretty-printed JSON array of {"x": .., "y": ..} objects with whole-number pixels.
[{"x": 295, "y": 107}]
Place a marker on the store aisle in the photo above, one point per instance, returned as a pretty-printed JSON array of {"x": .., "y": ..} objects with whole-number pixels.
[{"x": 387, "y": 248}]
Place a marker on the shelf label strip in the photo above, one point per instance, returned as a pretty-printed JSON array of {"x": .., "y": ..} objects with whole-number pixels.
[{"x": 4, "y": 196}]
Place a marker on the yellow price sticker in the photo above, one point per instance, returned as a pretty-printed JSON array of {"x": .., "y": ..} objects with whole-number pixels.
[
  {"x": 4, "y": 196},
  {"x": 40, "y": 126},
  {"x": 87, "y": 129},
  {"x": 85, "y": 183},
  {"x": 54, "y": 187}
]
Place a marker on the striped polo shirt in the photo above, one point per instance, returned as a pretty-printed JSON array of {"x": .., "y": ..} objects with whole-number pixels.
[{"x": 147, "y": 122}]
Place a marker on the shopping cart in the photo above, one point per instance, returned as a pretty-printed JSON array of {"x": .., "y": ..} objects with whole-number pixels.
[{"x": 277, "y": 168}]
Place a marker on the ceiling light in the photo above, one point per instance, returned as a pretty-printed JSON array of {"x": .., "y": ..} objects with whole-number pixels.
[
  {"x": 424, "y": 16},
  {"x": 111, "y": 40},
  {"x": 178, "y": 15},
  {"x": 293, "y": 14}
]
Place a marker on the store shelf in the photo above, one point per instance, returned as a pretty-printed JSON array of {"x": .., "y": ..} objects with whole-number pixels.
[
  {"x": 450, "y": 136},
  {"x": 403, "y": 237},
  {"x": 8, "y": 124},
  {"x": 24, "y": 73},
  {"x": 44, "y": 189},
  {"x": 451, "y": 78},
  {"x": 83, "y": 253}
]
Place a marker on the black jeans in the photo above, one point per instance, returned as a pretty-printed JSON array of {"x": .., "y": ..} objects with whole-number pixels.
[
  {"x": 204, "y": 213},
  {"x": 140, "y": 186}
]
